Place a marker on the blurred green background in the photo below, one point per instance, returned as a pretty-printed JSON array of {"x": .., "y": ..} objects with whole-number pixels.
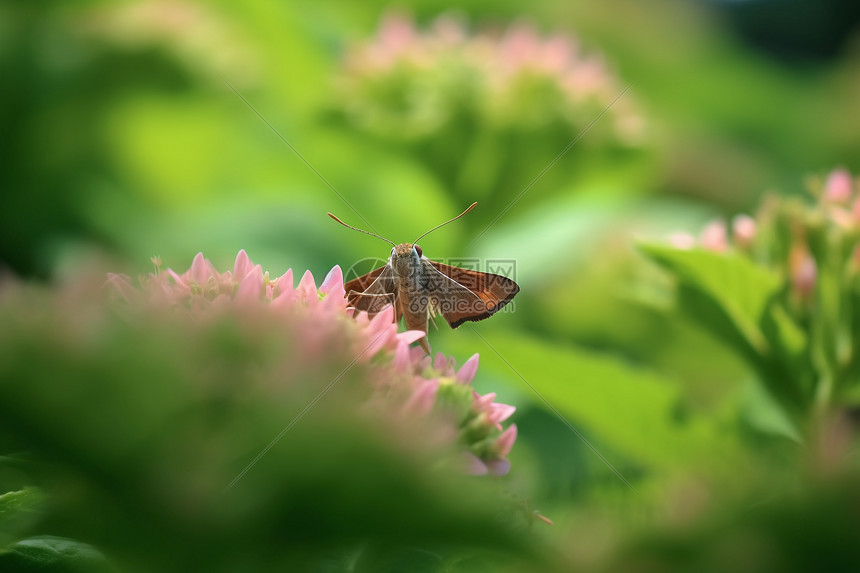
[{"x": 121, "y": 140}]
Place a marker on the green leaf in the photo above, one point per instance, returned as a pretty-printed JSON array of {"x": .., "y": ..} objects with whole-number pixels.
[
  {"x": 735, "y": 284},
  {"x": 737, "y": 300},
  {"x": 18, "y": 510},
  {"x": 54, "y": 554},
  {"x": 16, "y": 502},
  {"x": 637, "y": 411},
  {"x": 766, "y": 415},
  {"x": 790, "y": 344}
]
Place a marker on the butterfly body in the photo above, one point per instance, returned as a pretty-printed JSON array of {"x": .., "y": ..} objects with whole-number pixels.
[{"x": 419, "y": 289}]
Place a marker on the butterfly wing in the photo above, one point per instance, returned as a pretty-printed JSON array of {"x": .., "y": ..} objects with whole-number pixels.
[
  {"x": 361, "y": 284},
  {"x": 373, "y": 291},
  {"x": 461, "y": 295}
]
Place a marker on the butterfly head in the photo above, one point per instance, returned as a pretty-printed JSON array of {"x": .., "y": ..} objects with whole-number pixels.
[
  {"x": 407, "y": 250},
  {"x": 406, "y": 255}
]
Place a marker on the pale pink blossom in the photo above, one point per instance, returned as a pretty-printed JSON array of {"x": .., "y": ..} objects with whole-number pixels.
[
  {"x": 804, "y": 271},
  {"x": 743, "y": 230},
  {"x": 467, "y": 371},
  {"x": 495, "y": 413},
  {"x": 423, "y": 398},
  {"x": 838, "y": 186},
  {"x": 473, "y": 465},
  {"x": 497, "y": 61},
  {"x": 506, "y": 441},
  {"x": 498, "y": 466},
  {"x": 682, "y": 241},
  {"x": 713, "y": 237}
]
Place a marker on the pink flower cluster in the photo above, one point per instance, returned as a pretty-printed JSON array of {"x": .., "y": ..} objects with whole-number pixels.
[
  {"x": 198, "y": 36},
  {"x": 715, "y": 237},
  {"x": 319, "y": 313},
  {"x": 840, "y": 196},
  {"x": 438, "y": 378},
  {"x": 837, "y": 209},
  {"x": 494, "y": 64}
]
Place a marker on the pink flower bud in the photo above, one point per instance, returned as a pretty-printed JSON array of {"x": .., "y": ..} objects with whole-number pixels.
[
  {"x": 505, "y": 442},
  {"x": 396, "y": 32},
  {"x": 743, "y": 230},
  {"x": 473, "y": 465},
  {"x": 682, "y": 241},
  {"x": 804, "y": 271},
  {"x": 837, "y": 188},
  {"x": 498, "y": 467},
  {"x": 855, "y": 257},
  {"x": 423, "y": 397},
  {"x": 467, "y": 371},
  {"x": 714, "y": 236}
]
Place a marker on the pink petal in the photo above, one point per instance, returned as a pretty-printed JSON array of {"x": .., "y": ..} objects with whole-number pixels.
[
  {"x": 307, "y": 288},
  {"x": 176, "y": 278},
  {"x": 805, "y": 275},
  {"x": 842, "y": 216},
  {"x": 123, "y": 285},
  {"x": 505, "y": 442},
  {"x": 682, "y": 241},
  {"x": 837, "y": 188},
  {"x": 501, "y": 412},
  {"x": 423, "y": 398},
  {"x": 396, "y": 32},
  {"x": 483, "y": 402},
  {"x": 410, "y": 336},
  {"x": 361, "y": 318},
  {"x": 473, "y": 465},
  {"x": 380, "y": 330},
  {"x": 467, "y": 371},
  {"x": 250, "y": 288},
  {"x": 379, "y": 341},
  {"x": 498, "y": 467},
  {"x": 242, "y": 266},
  {"x": 285, "y": 281},
  {"x": 556, "y": 54},
  {"x": 440, "y": 364},
  {"x": 199, "y": 271},
  {"x": 419, "y": 358},
  {"x": 743, "y": 229},
  {"x": 401, "y": 357},
  {"x": 714, "y": 236},
  {"x": 379, "y": 322},
  {"x": 332, "y": 285}
]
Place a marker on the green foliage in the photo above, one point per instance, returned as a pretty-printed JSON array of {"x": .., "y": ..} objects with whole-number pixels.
[
  {"x": 54, "y": 554},
  {"x": 732, "y": 388},
  {"x": 737, "y": 301},
  {"x": 785, "y": 301},
  {"x": 151, "y": 422},
  {"x": 637, "y": 412}
]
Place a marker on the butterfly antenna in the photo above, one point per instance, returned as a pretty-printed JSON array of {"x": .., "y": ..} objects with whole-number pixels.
[
  {"x": 362, "y": 230},
  {"x": 472, "y": 206}
]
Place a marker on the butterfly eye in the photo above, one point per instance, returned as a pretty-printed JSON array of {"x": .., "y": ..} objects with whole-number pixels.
[{"x": 418, "y": 250}]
